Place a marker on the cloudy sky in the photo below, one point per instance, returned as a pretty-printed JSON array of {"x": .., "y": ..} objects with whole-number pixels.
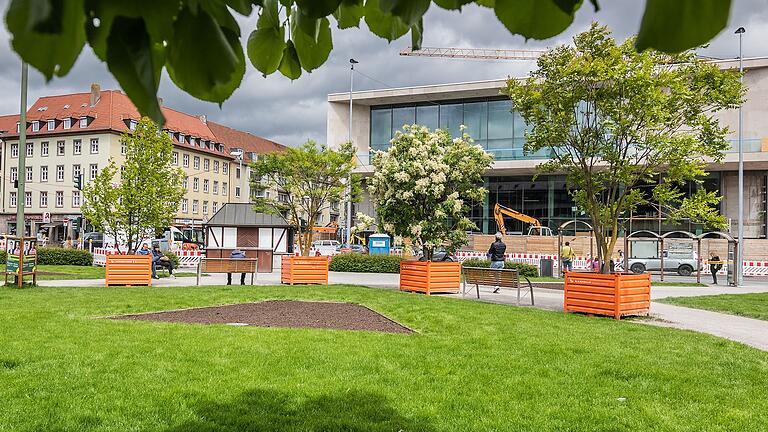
[{"x": 292, "y": 112}]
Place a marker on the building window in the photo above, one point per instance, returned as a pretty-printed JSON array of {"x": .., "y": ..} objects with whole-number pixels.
[
  {"x": 44, "y": 148},
  {"x": 181, "y": 138},
  {"x": 44, "y": 173},
  {"x": 216, "y": 166},
  {"x": 12, "y": 200},
  {"x": 215, "y": 187},
  {"x": 195, "y": 184},
  {"x": 205, "y": 185},
  {"x": 59, "y": 172},
  {"x": 94, "y": 171},
  {"x": 196, "y": 163},
  {"x": 185, "y": 182},
  {"x": 59, "y": 148},
  {"x": 18, "y": 125},
  {"x": 15, "y": 150},
  {"x": 207, "y": 164},
  {"x": 76, "y": 198},
  {"x": 77, "y": 171},
  {"x": 225, "y": 168},
  {"x": 83, "y": 122},
  {"x": 224, "y": 188},
  {"x": 67, "y": 124},
  {"x": 215, "y": 206},
  {"x": 30, "y": 149},
  {"x": 184, "y": 205},
  {"x": 94, "y": 145},
  {"x": 51, "y": 125},
  {"x": 43, "y": 199},
  {"x": 205, "y": 207},
  {"x": 194, "y": 206},
  {"x": 175, "y": 158},
  {"x": 237, "y": 191},
  {"x": 28, "y": 176},
  {"x": 35, "y": 126},
  {"x": 77, "y": 146},
  {"x": 14, "y": 174},
  {"x": 123, "y": 148},
  {"x": 237, "y": 172},
  {"x": 185, "y": 161},
  {"x": 59, "y": 199},
  {"x": 27, "y": 199},
  {"x": 170, "y": 135},
  {"x": 132, "y": 125}
]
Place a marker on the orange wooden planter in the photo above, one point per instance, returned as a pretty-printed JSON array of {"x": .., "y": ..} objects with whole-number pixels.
[
  {"x": 129, "y": 270},
  {"x": 430, "y": 277},
  {"x": 304, "y": 270},
  {"x": 615, "y": 295}
]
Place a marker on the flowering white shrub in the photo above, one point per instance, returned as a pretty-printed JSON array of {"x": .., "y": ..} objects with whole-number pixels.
[
  {"x": 363, "y": 222},
  {"x": 421, "y": 183}
]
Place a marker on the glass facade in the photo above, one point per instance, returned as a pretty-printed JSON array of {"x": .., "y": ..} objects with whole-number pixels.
[{"x": 490, "y": 122}]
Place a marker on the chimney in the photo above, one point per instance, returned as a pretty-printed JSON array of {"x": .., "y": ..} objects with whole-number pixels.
[
  {"x": 95, "y": 94},
  {"x": 203, "y": 118}
]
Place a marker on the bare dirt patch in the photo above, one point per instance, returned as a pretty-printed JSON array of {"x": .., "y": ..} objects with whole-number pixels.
[{"x": 281, "y": 313}]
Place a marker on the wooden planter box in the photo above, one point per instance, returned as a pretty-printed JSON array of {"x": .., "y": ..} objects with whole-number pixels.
[
  {"x": 430, "y": 277},
  {"x": 615, "y": 295},
  {"x": 129, "y": 270},
  {"x": 304, "y": 270}
]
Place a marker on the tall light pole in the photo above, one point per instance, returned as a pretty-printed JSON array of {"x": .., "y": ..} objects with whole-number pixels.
[
  {"x": 22, "y": 172},
  {"x": 352, "y": 63},
  {"x": 740, "y": 258}
]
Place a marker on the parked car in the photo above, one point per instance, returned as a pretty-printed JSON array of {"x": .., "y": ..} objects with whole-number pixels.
[
  {"x": 439, "y": 254},
  {"x": 95, "y": 239},
  {"x": 325, "y": 247},
  {"x": 684, "y": 266},
  {"x": 353, "y": 248}
]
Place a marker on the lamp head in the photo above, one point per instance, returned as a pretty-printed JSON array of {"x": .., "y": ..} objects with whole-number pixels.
[
  {"x": 353, "y": 61},
  {"x": 740, "y": 30}
]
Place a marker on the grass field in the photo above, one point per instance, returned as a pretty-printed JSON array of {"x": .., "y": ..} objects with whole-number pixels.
[
  {"x": 471, "y": 367},
  {"x": 748, "y": 305},
  {"x": 70, "y": 272}
]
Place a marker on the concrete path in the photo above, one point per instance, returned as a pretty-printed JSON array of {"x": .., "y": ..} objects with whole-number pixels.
[{"x": 745, "y": 330}]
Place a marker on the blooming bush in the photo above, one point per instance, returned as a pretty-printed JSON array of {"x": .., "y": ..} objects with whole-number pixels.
[
  {"x": 421, "y": 183},
  {"x": 363, "y": 222}
]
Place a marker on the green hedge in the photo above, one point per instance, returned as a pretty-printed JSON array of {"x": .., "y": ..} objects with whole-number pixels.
[
  {"x": 526, "y": 270},
  {"x": 62, "y": 256},
  {"x": 358, "y": 263},
  {"x": 173, "y": 257}
]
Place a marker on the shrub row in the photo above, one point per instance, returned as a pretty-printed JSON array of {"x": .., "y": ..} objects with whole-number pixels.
[
  {"x": 358, "y": 263},
  {"x": 523, "y": 269},
  {"x": 61, "y": 256}
]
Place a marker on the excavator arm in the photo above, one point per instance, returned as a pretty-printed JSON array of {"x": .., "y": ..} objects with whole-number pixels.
[{"x": 499, "y": 211}]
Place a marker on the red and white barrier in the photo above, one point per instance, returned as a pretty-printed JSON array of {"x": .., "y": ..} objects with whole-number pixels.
[{"x": 187, "y": 259}]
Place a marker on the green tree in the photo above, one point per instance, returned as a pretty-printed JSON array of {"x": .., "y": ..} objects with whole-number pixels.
[
  {"x": 142, "y": 195},
  {"x": 308, "y": 179},
  {"x": 420, "y": 184},
  {"x": 138, "y": 38},
  {"x": 614, "y": 119}
]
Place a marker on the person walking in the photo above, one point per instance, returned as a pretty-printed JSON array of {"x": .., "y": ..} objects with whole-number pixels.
[
  {"x": 236, "y": 254},
  {"x": 567, "y": 255},
  {"x": 497, "y": 254},
  {"x": 714, "y": 266}
]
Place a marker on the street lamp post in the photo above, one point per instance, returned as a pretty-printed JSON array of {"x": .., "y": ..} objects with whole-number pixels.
[
  {"x": 740, "y": 258},
  {"x": 22, "y": 176},
  {"x": 352, "y": 63}
]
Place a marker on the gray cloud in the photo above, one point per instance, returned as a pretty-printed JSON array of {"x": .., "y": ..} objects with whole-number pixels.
[{"x": 292, "y": 112}]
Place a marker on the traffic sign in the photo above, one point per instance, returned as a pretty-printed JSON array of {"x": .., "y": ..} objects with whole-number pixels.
[{"x": 46, "y": 217}]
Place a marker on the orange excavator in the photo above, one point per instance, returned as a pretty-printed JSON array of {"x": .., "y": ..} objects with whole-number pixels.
[{"x": 499, "y": 211}]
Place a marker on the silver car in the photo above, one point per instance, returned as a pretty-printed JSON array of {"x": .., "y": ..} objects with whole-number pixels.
[{"x": 684, "y": 266}]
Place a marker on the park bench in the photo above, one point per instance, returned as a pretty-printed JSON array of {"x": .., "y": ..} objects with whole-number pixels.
[
  {"x": 128, "y": 270},
  {"x": 227, "y": 265},
  {"x": 502, "y": 278}
]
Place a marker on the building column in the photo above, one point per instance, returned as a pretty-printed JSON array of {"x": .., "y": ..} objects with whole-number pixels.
[{"x": 486, "y": 206}]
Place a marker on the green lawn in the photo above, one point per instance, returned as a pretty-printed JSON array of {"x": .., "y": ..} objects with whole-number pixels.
[
  {"x": 69, "y": 272},
  {"x": 471, "y": 367},
  {"x": 676, "y": 284},
  {"x": 748, "y": 305}
]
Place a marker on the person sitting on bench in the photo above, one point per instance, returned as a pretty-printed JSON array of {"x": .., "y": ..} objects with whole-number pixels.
[
  {"x": 161, "y": 260},
  {"x": 236, "y": 254}
]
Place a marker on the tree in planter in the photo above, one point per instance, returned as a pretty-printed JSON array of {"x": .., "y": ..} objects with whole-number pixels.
[
  {"x": 421, "y": 183},
  {"x": 614, "y": 119},
  {"x": 143, "y": 195},
  {"x": 308, "y": 179}
]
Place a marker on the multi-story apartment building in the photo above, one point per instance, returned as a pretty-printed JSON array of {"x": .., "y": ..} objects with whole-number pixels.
[{"x": 73, "y": 134}]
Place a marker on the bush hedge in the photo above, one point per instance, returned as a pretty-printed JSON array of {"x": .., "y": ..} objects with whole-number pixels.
[
  {"x": 523, "y": 269},
  {"x": 61, "y": 256},
  {"x": 358, "y": 263},
  {"x": 173, "y": 257}
]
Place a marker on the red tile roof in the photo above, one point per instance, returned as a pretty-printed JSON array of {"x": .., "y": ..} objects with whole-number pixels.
[
  {"x": 113, "y": 112},
  {"x": 233, "y": 138}
]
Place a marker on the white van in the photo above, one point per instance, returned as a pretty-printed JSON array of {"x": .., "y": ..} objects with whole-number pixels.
[{"x": 326, "y": 247}]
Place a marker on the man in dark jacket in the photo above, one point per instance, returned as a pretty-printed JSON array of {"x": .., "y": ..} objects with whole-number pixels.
[
  {"x": 714, "y": 266},
  {"x": 236, "y": 254},
  {"x": 496, "y": 254}
]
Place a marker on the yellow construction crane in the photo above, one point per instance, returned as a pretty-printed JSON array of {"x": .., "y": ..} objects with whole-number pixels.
[
  {"x": 499, "y": 211},
  {"x": 474, "y": 53}
]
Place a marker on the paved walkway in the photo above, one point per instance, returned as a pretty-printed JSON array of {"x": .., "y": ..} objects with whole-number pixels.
[{"x": 745, "y": 330}]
